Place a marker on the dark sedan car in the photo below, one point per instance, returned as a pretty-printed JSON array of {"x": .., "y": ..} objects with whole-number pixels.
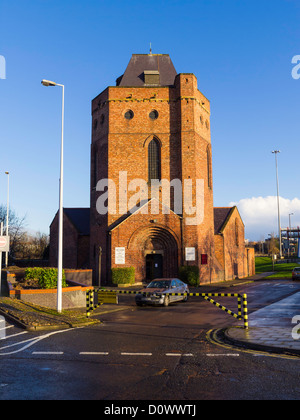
[{"x": 159, "y": 292}]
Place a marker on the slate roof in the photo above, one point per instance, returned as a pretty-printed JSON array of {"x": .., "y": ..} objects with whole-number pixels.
[
  {"x": 80, "y": 217},
  {"x": 134, "y": 73},
  {"x": 221, "y": 216}
]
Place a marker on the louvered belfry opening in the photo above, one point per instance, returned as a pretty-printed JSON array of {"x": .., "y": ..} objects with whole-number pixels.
[{"x": 154, "y": 170}]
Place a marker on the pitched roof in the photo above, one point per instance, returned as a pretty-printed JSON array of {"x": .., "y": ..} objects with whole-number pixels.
[
  {"x": 221, "y": 216},
  {"x": 80, "y": 217},
  {"x": 141, "y": 63},
  {"x": 136, "y": 209}
]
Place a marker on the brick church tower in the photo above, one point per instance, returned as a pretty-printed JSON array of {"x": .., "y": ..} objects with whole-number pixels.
[{"x": 154, "y": 124}]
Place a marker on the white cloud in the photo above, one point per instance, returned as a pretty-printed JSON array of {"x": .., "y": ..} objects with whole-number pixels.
[{"x": 261, "y": 218}]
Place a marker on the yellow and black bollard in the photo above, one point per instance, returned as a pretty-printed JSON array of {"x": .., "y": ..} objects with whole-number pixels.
[
  {"x": 89, "y": 302},
  {"x": 245, "y": 309}
]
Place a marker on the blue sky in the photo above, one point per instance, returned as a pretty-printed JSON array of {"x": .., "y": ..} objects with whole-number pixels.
[{"x": 240, "y": 51}]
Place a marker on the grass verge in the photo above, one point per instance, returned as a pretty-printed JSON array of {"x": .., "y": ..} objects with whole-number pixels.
[
  {"x": 264, "y": 264},
  {"x": 38, "y": 317}
]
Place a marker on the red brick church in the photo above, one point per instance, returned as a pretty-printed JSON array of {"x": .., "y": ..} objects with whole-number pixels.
[{"x": 151, "y": 204}]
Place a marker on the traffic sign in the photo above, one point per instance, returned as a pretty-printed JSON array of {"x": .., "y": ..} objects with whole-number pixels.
[{"x": 4, "y": 243}]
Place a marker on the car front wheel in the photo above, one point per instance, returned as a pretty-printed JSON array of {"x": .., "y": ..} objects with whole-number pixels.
[{"x": 166, "y": 301}]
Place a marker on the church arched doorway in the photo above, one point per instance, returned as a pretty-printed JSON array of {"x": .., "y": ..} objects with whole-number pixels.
[{"x": 158, "y": 249}]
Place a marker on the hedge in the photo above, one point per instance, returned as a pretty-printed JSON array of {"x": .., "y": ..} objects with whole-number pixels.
[
  {"x": 123, "y": 275},
  {"x": 190, "y": 274},
  {"x": 47, "y": 277}
]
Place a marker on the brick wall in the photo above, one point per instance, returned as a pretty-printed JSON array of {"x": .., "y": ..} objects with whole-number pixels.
[
  {"x": 182, "y": 131},
  {"x": 75, "y": 246},
  {"x": 118, "y": 144}
]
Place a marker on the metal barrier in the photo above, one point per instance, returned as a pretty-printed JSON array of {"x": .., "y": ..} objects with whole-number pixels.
[
  {"x": 107, "y": 297},
  {"x": 103, "y": 296},
  {"x": 242, "y": 314}
]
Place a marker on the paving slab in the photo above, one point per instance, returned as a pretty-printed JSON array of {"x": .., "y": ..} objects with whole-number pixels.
[{"x": 272, "y": 327}]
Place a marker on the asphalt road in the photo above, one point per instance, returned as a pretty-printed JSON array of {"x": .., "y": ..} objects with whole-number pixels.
[{"x": 150, "y": 354}]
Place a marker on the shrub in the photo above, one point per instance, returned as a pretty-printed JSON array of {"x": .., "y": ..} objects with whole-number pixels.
[
  {"x": 47, "y": 277},
  {"x": 190, "y": 274},
  {"x": 123, "y": 275},
  {"x": 33, "y": 273}
]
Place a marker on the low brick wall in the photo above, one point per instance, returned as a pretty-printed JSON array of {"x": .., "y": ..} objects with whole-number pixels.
[
  {"x": 84, "y": 277},
  {"x": 72, "y": 297}
]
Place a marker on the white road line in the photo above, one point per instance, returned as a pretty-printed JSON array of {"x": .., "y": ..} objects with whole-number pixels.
[
  {"x": 48, "y": 352},
  {"x": 92, "y": 353},
  {"x": 222, "y": 355},
  {"x": 136, "y": 354},
  {"x": 18, "y": 343},
  {"x": 34, "y": 341},
  {"x": 13, "y": 335},
  {"x": 180, "y": 354},
  {"x": 174, "y": 354},
  {"x": 6, "y": 328}
]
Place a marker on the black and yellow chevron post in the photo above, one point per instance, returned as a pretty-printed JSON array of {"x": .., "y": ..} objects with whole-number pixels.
[
  {"x": 89, "y": 302},
  {"x": 240, "y": 306},
  {"x": 245, "y": 309}
]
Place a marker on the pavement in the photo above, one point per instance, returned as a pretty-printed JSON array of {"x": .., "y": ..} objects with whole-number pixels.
[{"x": 271, "y": 328}]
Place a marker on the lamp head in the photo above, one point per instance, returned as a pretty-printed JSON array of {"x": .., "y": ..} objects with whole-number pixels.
[{"x": 48, "y": 83}]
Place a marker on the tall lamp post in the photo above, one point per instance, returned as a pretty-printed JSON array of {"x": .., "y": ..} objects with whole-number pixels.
[
  {"x": 290, "y": 227},
  {"x": 278, "y": 204},
  {"x": 60, "y": 217},
  {"x": 7, "y": 216},
  {"x": 290, "y": 224}
]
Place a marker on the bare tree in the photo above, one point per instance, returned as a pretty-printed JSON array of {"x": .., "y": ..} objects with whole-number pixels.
[
  {"x": 16, "y": 229},
  {"x": 35, "y": 246}
]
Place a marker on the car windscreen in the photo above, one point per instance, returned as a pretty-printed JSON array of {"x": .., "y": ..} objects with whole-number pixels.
[{"x": 159, "y": 284}]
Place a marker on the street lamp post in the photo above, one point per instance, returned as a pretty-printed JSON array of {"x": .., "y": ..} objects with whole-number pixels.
[
  {"x": 7, "y": 216},
  {"x": 290, "y": 227},
  {"x": 278, "y": 204},
  {"x": 60, "y": 216}
]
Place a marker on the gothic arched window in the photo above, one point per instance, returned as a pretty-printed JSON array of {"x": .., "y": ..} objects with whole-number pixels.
[{"x": 154, "y": 170}]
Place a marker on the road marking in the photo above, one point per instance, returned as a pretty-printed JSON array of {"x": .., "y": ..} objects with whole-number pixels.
[
  {"x": 222, "y": 355},
  {"x": 33, "y": 341},
  {"x": 17, "y": 344},
  {"x": 6, "y": 328},
  {"x": 136, "y": 354},
  {"x": 180, "y": 354},
  {"x": 106, "y": 353},
  {"x": 13, "y": 335},
  {"x": 48, "y": 352}
]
